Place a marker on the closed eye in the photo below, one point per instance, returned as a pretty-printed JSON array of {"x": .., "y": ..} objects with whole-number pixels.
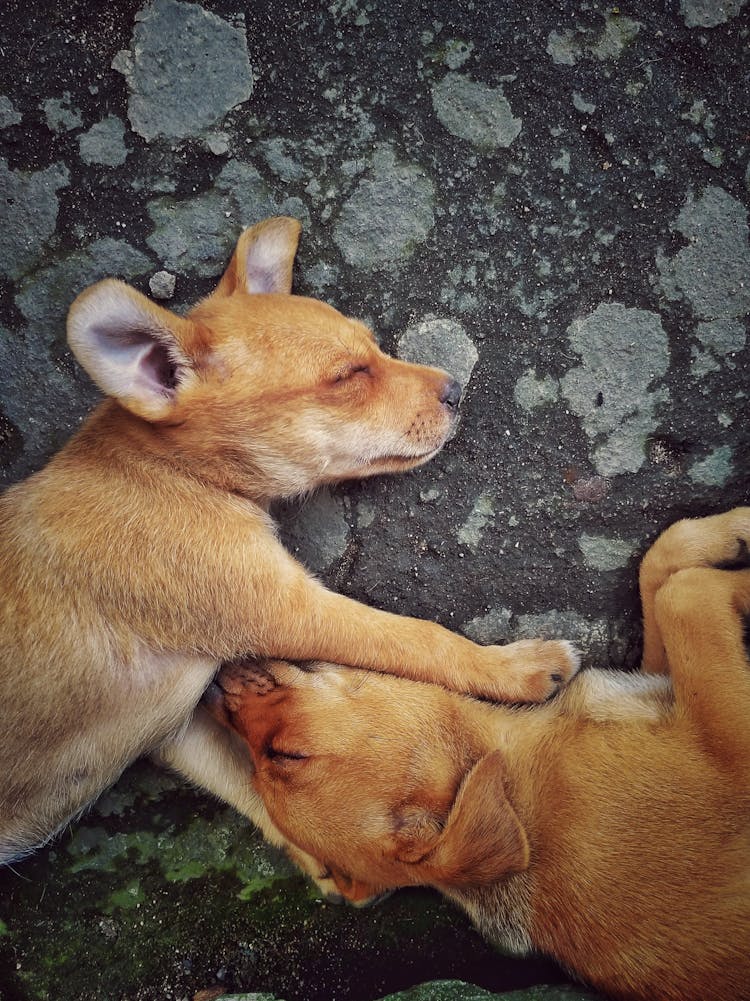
[
  {"x": 351, "y": 371},
  {"x": 276, "y": 754}
]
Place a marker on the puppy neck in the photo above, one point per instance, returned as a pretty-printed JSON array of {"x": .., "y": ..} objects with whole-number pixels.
[{"x": 124, "y": 440}]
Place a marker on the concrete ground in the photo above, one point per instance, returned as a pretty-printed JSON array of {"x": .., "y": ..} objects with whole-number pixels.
[{"x": 548, "y": 199}]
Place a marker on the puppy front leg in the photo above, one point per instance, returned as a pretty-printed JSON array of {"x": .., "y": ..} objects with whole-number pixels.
[
  {"x": 213, "y": 758},
  {"x": 329, "y": 627},
  {"x": 241, "y": 594}
]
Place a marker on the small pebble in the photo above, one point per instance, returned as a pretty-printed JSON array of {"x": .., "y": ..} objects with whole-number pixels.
[{"x": 162, "y": 285}]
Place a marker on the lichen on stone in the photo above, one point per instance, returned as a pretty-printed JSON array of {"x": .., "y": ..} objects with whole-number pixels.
[
  {"x": 603, "y": 553},
  {"x": 616, "y": 391},
  {"x": 388, "y": 215},
  {"x": 531, "y": 392},
  {"x": 715, "y": 469},
  {"x": 711, "y": 272},
  {"x": 185, "y": 70},
  {"x": 198, "y": 234},
  {"x": 8, "y": 113},
  {"x": 30, "y": 207},
  {"x": 566, "y": 47},
  {"x": 442, "y": 343},
  {"x": 104, "y": 143},
  {"x": 709, "y": 13},
  {"x": 475, "y": 112}
]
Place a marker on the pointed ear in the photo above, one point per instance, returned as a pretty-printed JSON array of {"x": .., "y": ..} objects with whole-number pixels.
[
  {"x": 263, "y": 259},
  {"x": 482, "y": 840},
  {"x": 133, "y": 349}
]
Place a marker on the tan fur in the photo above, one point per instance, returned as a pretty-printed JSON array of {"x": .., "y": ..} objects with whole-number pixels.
[
  {"x": 142, "y": 555},
  {"x": 609, "y": 828}
]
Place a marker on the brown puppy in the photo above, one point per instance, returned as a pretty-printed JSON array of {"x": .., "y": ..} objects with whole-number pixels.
[
  {"x": 142, "y": 555},
  {"x": 609, "y": 828}
]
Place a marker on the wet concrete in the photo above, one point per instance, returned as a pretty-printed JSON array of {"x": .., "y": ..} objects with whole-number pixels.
[{"x": 548, "y": 199}]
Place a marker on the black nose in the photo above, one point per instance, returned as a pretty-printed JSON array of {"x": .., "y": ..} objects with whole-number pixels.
[{"x": 451, "y": 394}]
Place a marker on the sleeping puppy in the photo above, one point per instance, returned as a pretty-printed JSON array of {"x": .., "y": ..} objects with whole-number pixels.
[
  {"x": 143, "y": 556},
  {"x": 609, "y": 828}
]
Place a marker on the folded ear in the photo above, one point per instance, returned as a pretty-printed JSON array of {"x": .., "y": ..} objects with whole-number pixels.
[
  {"x": 263, "y": 259},
  {"x": 483, "y": 839},
  {"x": 134, "y": 350}
]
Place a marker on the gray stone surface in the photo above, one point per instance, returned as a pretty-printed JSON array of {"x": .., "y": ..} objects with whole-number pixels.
[
  {"x": 601, "y": 553},
  {"x": 30, "y": 214},
  {"x": 317, "y": 530},
  {"x": 718, "y": 343},
  {"x": 716, "y": 469},
  {"x": 60, "y": 115},
  {"x": 601, "y": 642},
  {"x": 604, "y": 42},
  {"x": 492, "y": 627},
  {"x": 711, "y": 272},
  {"x": 475, "y": 112},
  {"x": 199, "y": 233},
  {"x": 624, "y": 352},
  {"x": 443, "y": 343},
  {"x": 451, "y": 990},
  {"x": 456, "y": 990},
  {"x": 162, "y": 285},
  {"x": 44, "y": 396},
  {"x": 388, "y": 215},
  {"x": 8, "y": 113},
  {"x": 186, "y": 69},
  {"x": 586, "y": 275},
  {"x": 709, "y": 13},
  {"x": 531, "y": 392},
  {"x": 104, "y": 143}
]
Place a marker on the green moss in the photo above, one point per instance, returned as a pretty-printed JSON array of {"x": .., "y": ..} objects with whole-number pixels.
[
  {"x": 129, "y": 897},
  {"x": 224, "y": 844},
  {"x": 156, "y": 897}
]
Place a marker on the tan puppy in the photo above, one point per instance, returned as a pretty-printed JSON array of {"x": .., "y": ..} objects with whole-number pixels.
[
  {"x": 142, "y": 555},
  {"x": 609, "y": 828}
]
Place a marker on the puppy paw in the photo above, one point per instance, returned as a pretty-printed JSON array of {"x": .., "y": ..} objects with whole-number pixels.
[
  {"x": 240, "y": 676},
  {"x": 530, "y": 670},
  {"x": 721, "y": 541}
]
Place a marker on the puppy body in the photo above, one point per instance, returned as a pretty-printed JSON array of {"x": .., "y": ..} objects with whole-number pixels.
[
  {"x": 142, "y": 556},
  {"x": 609, "y": 828},
  {"x": 639, "y": 846}
]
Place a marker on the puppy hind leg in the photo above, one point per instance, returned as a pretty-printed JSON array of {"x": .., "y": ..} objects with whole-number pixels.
[
  {"x": 722, "y": 541},
  {"x": 699, "y": 613}
]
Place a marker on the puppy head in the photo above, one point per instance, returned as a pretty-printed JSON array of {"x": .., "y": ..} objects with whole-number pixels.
[
  {"x": 278, "y": 389},
  {"x": 376, "y": 777}
]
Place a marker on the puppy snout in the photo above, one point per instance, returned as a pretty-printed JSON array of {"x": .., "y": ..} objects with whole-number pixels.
[{"x": 451, "y": 394}]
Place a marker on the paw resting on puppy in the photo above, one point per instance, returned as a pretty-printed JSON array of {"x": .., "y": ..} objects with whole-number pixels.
[{"x": 529, "y": 670}]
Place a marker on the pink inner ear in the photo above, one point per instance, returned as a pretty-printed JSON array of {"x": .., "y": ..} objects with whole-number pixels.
[
  {"x": 268, "y": 264},
  {"x": 139, "y": 355},
  {"x": 158, "y": 368},
  {"x": 263, "y": 277}
]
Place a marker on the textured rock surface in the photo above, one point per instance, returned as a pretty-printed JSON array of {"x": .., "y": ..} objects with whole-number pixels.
[
  {"x": 472, "y": 111},
  {"x": 30, "y": 214},
  {"x": 186, "y": 69},
  {"x": 551, "y": 204},
  {"x": 104, "y": 143},
  {"x": 388, "y": 215}
]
